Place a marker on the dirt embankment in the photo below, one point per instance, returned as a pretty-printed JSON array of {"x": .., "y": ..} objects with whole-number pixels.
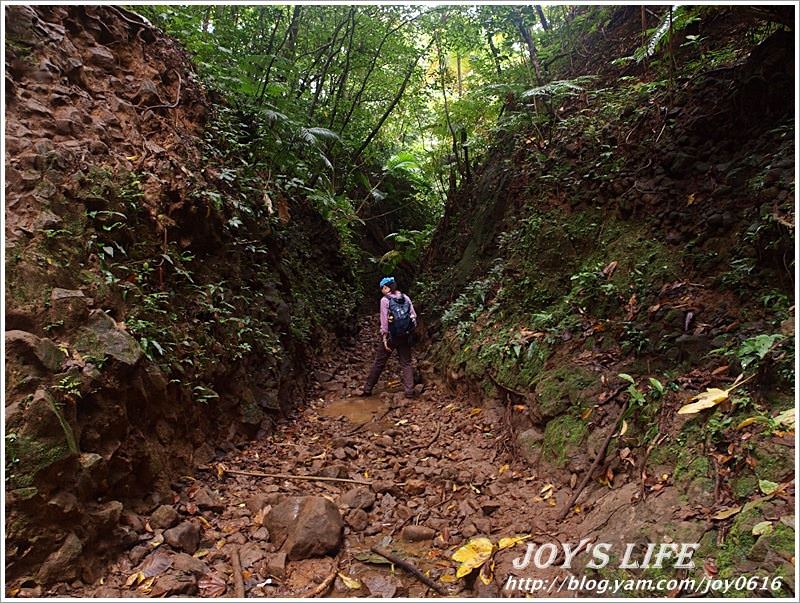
[
  {"x": 648, "y": 230},
  {"x": 154, "y": 309}
]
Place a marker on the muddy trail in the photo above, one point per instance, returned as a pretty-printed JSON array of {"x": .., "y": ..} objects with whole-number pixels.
[{"x": 430, "y": 473}]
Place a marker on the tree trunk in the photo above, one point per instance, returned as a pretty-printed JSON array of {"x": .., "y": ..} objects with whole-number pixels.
[
  {"x": 342, "y": 82},
  {"x": 391, "y": 107},
  {"x": 542, "y": 19},
  {"x": 375, "y": 57},
  {"x": 525, "y": 32},
  {"x": 331, "y": 54},
  {"x": 458, "y": 70},
  {"x": 495, "y": 54}
]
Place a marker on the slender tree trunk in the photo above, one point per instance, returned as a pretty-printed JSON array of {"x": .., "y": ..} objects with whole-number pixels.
[
  {"x": 206, "y": 18},
  {"x": 270, "y": 48},
  {"x": 542, "y": 19},
  {"x": 458, "y": 70},
  {"x": 333, "y": 51},
  {"x": 391, "y": 106},
  {"x": 342, "y": 83},
  {"x": 525, "y": 32},
  {"x": 375, "y": 57},
  {"x": 495, "y": 54}
]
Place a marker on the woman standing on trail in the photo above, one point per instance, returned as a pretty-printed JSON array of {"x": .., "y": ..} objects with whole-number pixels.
[{"x": 398, "y": 320}]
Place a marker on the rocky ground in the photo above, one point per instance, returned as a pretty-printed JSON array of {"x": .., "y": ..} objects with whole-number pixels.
[{"x": 418, "y": 477}]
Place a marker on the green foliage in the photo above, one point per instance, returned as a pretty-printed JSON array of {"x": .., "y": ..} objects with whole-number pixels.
[{"x": 754, "y": 349}]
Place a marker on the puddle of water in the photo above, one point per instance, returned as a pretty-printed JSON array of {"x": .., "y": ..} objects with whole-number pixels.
[{"x": 355, "y": 410}]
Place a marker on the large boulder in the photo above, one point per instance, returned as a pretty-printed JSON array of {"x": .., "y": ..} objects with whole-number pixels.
[{"x": 305, "y": 526}]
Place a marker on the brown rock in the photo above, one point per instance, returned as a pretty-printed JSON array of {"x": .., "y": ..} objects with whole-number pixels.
[
  {"x": 309, "y": 526},
  {"x": 382, "y": 585},
  {"x": 206, "y": 500},
  {"x": 275, "y": 565},
  {"x": 173, "y": 585},
  {"x": 101, "y": 56},
  {"x": 415, "y": 486},
  {"x": 417, "y": 533},
  {"x": 183, "y": 537},
  {"x": 62, "y": 564},
  {"x": 164, "y": 517},
  {"x": 189, "y": 565},
  {"x": 357, "y": 519},
  {"x": 359, "y": 497}
]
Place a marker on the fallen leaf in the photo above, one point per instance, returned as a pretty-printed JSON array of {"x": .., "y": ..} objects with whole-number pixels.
[
  {"x": 509, "y": 541},
  {"x": 147, "y": 585},
  {"x": 747, "y": 421},
  {"x": 711, "y": 397},
  {"x": 156, "y": 564},
  {"x": 762, "y": 528},
  {"x": 587, "y": 413},
  {"x": 448, "y": 578},
  {"x": 487, "y": 572},
  {"x": 503, "y": 469},
  {"x": 475, "y": 411},
  {"x": 472, "y": 555},
  {"x": 157, "y": 541},
  {"x": 134, "y": 578},
  {"x": 211, "y": 585},
  {"x": 349, "y": 582},
  {"x": 767, "y": 487},
  {"x": 725, "y": 513},
  {"x": 624, "y": 428},
  {"x": 201, "y": 553}
]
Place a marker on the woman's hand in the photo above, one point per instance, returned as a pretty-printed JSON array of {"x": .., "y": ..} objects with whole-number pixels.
[{"x": 386, "y": 344}]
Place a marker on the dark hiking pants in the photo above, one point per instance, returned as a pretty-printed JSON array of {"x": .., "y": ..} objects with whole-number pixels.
[{"x": 403, "y": 347}]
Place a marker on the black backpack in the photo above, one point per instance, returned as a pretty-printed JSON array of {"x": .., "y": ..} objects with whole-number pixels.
[{"x": 400, "y": 322}]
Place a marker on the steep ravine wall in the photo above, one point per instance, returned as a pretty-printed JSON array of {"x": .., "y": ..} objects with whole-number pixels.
[
  {"x": 155, "y": 313},
  {"x": 651, "y": 237}
]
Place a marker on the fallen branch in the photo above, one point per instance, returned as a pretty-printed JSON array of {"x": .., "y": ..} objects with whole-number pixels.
[
  {"x": 313, "y": 478},
  {"x": 600, "y": 454},
  {"x": 411, "y": 569},
  {"x": 322, "y": 589},
  {"x": 238, "y": 581}
]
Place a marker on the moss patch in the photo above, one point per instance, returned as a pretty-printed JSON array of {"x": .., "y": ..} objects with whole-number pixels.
[
  {"x": 562, "y": 437},
  {"x": 563, "y": 387}
]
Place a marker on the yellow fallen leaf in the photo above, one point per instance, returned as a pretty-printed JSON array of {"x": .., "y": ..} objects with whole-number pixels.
[
  {"x": 487, "y": 572},
  {"x": 503, "y": 469},
  {"x": 349, "y": 582},
  {"x": 510, "y": 541},
  {"x": 157, "y": 540},
  {"x": 725, "y": 513},
  {"x": 747, "y": 421},
  {"x": 448, "y": 578},
  {"x": 690, "y": 199},
  {"x": 204, "y": 521},
  {"x": 472, "y": 555},
  {"x": 132, "y": 157},
  {"x": 711, "y": 397},
  {"x": 587, "y": 413},
  {"x": 201, "y": 553},
  {"x": 220, "y": 470},
  {"x": 624, "y": 428},
  {"x": 147, "y": 585},
  {"x": 134, "y": 578},
  {"x": 475, "y": 411}
]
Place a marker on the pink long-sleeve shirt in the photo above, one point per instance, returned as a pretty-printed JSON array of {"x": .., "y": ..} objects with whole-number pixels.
[{"x": 385, "y": 310}]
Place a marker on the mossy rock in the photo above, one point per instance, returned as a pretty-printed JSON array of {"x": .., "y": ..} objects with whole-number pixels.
[
  {"x": 744, "y": 485},
  {"x": 690, "y": 467},
  {"x": 774, "y": 462},
  {"x": 562, "y": 438},
  {"x": 563, "y": 387},
  {"x": 27, "y": 459}
]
